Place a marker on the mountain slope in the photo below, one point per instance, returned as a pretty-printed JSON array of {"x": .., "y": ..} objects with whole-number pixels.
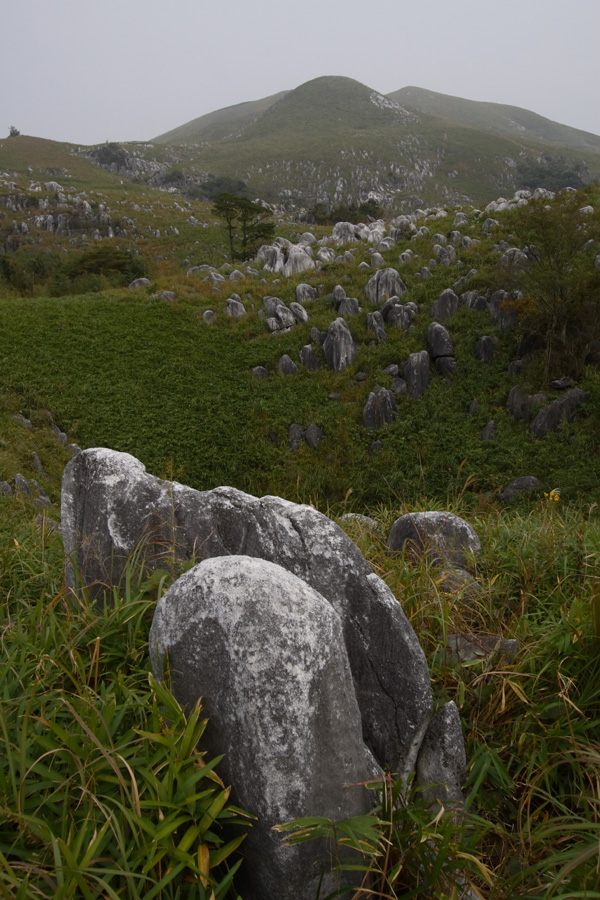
[
  {"x": 220, "y": 124},
  {"x": 498, "y": 118},
  {"x": 334, "y": 140}
]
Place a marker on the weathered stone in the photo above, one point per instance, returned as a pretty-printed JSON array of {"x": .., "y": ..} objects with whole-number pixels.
[
  {"x": 380, "y": 409},
  {"x": 266, "y": 654},
  {"x": 139, "y": 282},
  {"x": 439, "y": 341},
  {"x": 445, "y": 305},
  {"x": 339, "y": 347},
  {"x": 398, "y": 385},
  {"x": 489, "y": 431},
  {"x": 416, "y": 373},
  {"x": 344, "y": 233},
  {"x": 164, "y": 295},
  {"x": 22, "y": 420},
  {"x": 349, "y": 307},
  {"x": 305, "y": 293},
  {"x": 313, "y": 436},
  {"x": 375, "y": 323},
  {"x": 377, "y": 260},
  {"x": 73, "y": 450},
  {"x": 298, "y": 312},
  {"x": 442, "y": 763},
  {"x": 5, "y": 488},
  {"x": 446, "y": 366},
  {"x": 111, "y": 506},
  {"x": 459, "y": 583},
  {"x": 287, "y": 366},
  {"x": 513, "y": 260},
  {"x": 521, "y": 403},
  {"x": 209, "y": 315},
  {"x": 298, "y": 258},
  {"x": 272, "y": 257},
  {"x": 485, "y": 349},
  {"x": 442, "y": 537},
  {"x": 308, "y": 358},
  {"x": 260, "y": 372},
  {"x": 37, "y": 463},
  {"x": 383, "y": 284},
  {"x": 464, "y": 648},
  {"x": 525, "y": 483},
  {"x": 563, "y": 409},
  {"x": 20, "y": 485},
  {"x": 473, "y": 407},
  {"x": 235, "y": 309},
  {"x": 295, "y": 435},
  {"x": 502, "y": 310}
]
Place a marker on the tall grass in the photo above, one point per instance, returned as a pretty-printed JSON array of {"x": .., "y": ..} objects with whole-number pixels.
[{"x": 104, "y": 790}]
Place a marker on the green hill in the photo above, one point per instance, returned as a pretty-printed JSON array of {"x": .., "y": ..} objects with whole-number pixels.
[{"x": 498, "y": 118}]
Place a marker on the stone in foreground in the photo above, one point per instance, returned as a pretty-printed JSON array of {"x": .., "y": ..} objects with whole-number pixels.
[
  {"x": 266, "y": 653},
  {"x": 111, "y": 509}
]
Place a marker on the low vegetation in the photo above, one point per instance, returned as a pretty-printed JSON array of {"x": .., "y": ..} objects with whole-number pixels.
[{"x": 105, "y": 791}]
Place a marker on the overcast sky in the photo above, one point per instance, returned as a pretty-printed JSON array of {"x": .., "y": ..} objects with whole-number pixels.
[{"x": 86, "y": 71}]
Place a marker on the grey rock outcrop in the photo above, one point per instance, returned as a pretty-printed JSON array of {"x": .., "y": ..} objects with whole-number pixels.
[
  {"x": 287, "y": 366},
  {"x": 442, "y": 537},
  {"x": 375, "y": 323},
  {"x": 235, "y": 309},
  {"x": 439, "y": 341},
  {"x": 380, "y": 409},
  {"x": 265, "y": 651},
  {"x": 563, "y": 409},
  {"x": 384, "y": 284},
  {"x": 111, "y": 506},
  {"x": 524, "y": 484},
  {"x": 445, "y": 306},
  {"x": 308, "y": 358},
  {"x": 349, "y": 307},
  {"x": 339, "y": 347},
  {"x": 485, "y": 349},
  {"x": 139, "y": 282},
  {"x": 305, "y": 293},
  {"x": 442, "y": 763},
  {"x": 298, "y": 258},
  {"x": 416, "y": 373}
]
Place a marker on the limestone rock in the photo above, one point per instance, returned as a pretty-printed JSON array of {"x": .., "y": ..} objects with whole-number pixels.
[
  {"x": 489, "y": 431},
  {"x": 485, "y": 349},
  {"x": 563, "y": 409},
  {"x": 442, "y": 764},
  {"x": 235, "y": 309},
  {"x": 416, "y": 373},
  {"x": 339, "y": 347},
  {"x": 445, "y": 305},
  {"x": 287, "y": 366},
  {"x": 266, "y": 654},
  {"x": 380, "y": 409},
  {"x": 139, "y": 282},
  {"x": 308, "y": 358},
  {"x": 439, "y": 341},
  {"x": 526, "y": 483},
  {"x": 375, "y": 323},
  {"x": 111, "y": 506},
  {"x": 305, "y": 293},
  {"x": 313, "y": 436},
  {"x": 442, "y": 537},
  {"x": 383, "y": 284}
]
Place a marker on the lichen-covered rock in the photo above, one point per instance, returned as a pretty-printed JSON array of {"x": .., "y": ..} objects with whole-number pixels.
[
  {"x": 139, "y": 282},
  {"x": 235, "y": 309},
  {"x": 339, "y": 347},
  {"x": 308, "y": 358},
  {"x": 441, "y": 537},
  {"x": 305, "y": 293},
  {"x": 313, "y": 435},
  {"x": 298, "y": 258},
  {"x": 266, "y": 654},
  {"x": 349, "y": 307},
  {"x": 375, "y": 323},
  {"x": 111, "y": 507}
]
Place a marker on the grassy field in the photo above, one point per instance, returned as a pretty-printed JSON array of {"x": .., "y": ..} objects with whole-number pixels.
[{"x": 104, "y": 793}]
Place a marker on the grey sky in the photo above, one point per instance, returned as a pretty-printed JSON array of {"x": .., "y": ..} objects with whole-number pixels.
[{"x": 88, "y": 71}]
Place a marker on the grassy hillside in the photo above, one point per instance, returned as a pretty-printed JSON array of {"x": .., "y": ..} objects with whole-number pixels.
[
  {"x": 132, "y": 371},
  {"x": 498, "y": 118},
  {"x": 220, "y": 124},
  {"x": 335, "y": 140}
]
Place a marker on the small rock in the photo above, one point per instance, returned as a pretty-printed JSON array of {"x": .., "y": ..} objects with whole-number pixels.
[
  {"x": 295, "y": 435},
  {"x": 139, "y": 282},
  {"x": 260, "y": 372},
  {"x": 526, "y": 483},
  {"x": 287, "y": 366},
  {"x": 313, "y": 436},
  {"x": 489, "y": 431}
]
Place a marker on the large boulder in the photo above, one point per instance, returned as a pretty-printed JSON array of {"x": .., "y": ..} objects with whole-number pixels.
[
  {"x": 298, "y": 258},
  {"x": 563, "y": 409},
  {"x": 445, "y": 305},
  {"x": 380, "y": 409},
  {"x": 441, "y": 537},
  {"x": 416, "y": 373},
  {"x": 112, "y": 510},
  {"x": 339, "y": 347},
  {"x": 383, "y": 284},
  {"x": 439, "y": 341},
  {"x": 266, "y": 654}
]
